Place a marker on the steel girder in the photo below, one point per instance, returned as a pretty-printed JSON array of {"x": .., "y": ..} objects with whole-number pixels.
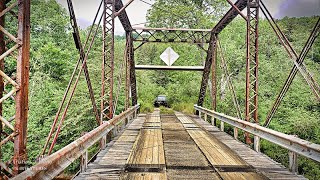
[
  {"x": 252, "y": 64},
  {"x": 165, "y": 35},
  {"x": 15, "y": 87},
  {"x": 2, "y": 50},
  {"x": 206, "y": 71},
  {"x": 128, "y": 69},
  {"x": 133, "y": 81},
  {"x": 108, "y": 61},
  {"x": 227, "y": 18},
  {"x": 251, "y": 112},
  {"x": 123, "y": 17}
]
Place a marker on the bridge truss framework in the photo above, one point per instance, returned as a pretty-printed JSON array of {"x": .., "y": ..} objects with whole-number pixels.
[{"x": 14, "y": 87}]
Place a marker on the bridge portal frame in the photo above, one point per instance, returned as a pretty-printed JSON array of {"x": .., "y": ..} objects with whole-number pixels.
[{"x": 21, "y": 44}]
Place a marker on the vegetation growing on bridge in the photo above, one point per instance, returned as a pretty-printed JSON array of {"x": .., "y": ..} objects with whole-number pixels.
[{"x": 53, "y": 56}]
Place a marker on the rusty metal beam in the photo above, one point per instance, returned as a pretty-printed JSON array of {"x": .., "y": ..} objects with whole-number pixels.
[
  {"x": 314, "y": 34},
  {"x": 65, "y": 104},
  {"x": 229, "y": 16},
  {"x": 214, "y": 82},
  {"x": 107, "y": 78},
  {"x": 2, "y": 50},
  {"x": 252, "y": 64},
  {"x": 123, "y": 8},
  {"x": 169, "y": 68},
  {"x": 18, "y": 84},
  {"x": 236, "y": 8},
  {"x": 207, "y": 67},
  {"x": 169, "y": 35},
  {"x": 123, "y": 17},
  {"x": 292, "y": 53},
  {"x": 21, "y": 98},
  {"x": 226, "y": 19},
  {"x": 84, "y": 60},
  {"x": 53, "y": 165},
  {"x": 127, "y": 59},
  {"x": 133, "y": 81},
  {"x": 80, "y": 47}
]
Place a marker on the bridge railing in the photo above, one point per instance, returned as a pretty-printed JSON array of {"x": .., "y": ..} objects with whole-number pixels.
[
  {"x": 53, "y": 165},
  {"x": 294, "y": 144}
]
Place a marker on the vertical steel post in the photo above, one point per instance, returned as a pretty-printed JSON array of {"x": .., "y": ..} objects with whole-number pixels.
[
  {"x": 133, "y": 82},
  {"x": 19, "y": 85},
  {"x": 2, "y": 50},
  {"x": 20, "y": 141},
  {"x": 108, "y": 61},
  {"x": 128, "y": 55},
  {"x": 251, "y": 108},
  {"x": 106, "y": 106},
  {"x": 214, "y": 83}
]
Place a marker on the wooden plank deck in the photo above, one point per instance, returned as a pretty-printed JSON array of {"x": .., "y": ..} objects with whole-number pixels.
[
  {"x": 180, "y": 147},
  {"x": 110, "y": 162},
  {"x": 146, "y": 160},
  {"x": 222, "y": 158},
  {"x": 267, "y": 166},
  {"x": 148, "y": 150}
]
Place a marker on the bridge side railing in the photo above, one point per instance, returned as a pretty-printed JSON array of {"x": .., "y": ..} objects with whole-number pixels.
[
  {"x": 294, "y": 144},
  {"x": 53, "y": 165}
]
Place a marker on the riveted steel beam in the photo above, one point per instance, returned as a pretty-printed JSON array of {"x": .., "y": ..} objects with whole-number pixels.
[
  {"x": 207, "y": 68},
  {"x": 169, "y": 35}
]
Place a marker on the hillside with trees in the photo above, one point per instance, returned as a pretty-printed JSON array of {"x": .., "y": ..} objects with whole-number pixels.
[{"x": 53, "y": 57}]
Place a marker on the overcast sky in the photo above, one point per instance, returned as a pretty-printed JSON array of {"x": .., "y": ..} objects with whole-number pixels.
[{"x": 85, "y": 10}]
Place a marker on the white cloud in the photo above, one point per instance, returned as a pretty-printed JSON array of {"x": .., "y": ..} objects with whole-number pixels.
[
  {"x": 298, "y": 8},
  {"x": 85, "y": 10}
]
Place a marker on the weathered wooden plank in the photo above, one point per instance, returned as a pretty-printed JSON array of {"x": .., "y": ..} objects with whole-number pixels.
[
  {"x": 259, "y": 161},
  {"x": 111, "y": 161},
  {"x": 144, "y": 176},
  {"x": 149, "y": 146}
]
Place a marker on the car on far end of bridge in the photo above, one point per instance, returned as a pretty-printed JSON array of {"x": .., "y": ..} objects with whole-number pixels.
[{"x": 161, "y": 100}]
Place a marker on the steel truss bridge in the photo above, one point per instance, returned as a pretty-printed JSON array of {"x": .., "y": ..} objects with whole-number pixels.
[{"x": 143, "y": 147}]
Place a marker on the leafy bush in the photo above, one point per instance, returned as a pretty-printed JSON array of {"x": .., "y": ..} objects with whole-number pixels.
[
  {"x": 184, "y": 107},
  {"x": 164, "y": 110},
  {"x": 146, "y": 108}
]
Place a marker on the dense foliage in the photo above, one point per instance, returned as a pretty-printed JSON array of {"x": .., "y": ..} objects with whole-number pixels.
[
  {"x": 299, "y": 112},
  {"x": 53, "y": 56}
]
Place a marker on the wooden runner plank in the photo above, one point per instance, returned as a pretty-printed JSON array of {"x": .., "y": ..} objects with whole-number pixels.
[
  {"x": 111, "y": 161},
  {"x": 219, "y": 154},
  {"x": 257, "y": 160}
]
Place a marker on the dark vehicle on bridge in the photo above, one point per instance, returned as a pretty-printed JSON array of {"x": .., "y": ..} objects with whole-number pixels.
[{"x": 161, "y": 100}]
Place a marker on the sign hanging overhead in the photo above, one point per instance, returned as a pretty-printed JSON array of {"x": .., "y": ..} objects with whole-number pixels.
[{"x": 169, "y": 56}]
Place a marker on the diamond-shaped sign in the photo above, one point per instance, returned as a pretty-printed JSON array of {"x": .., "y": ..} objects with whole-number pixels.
[{"x": 169, "y": 56}]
